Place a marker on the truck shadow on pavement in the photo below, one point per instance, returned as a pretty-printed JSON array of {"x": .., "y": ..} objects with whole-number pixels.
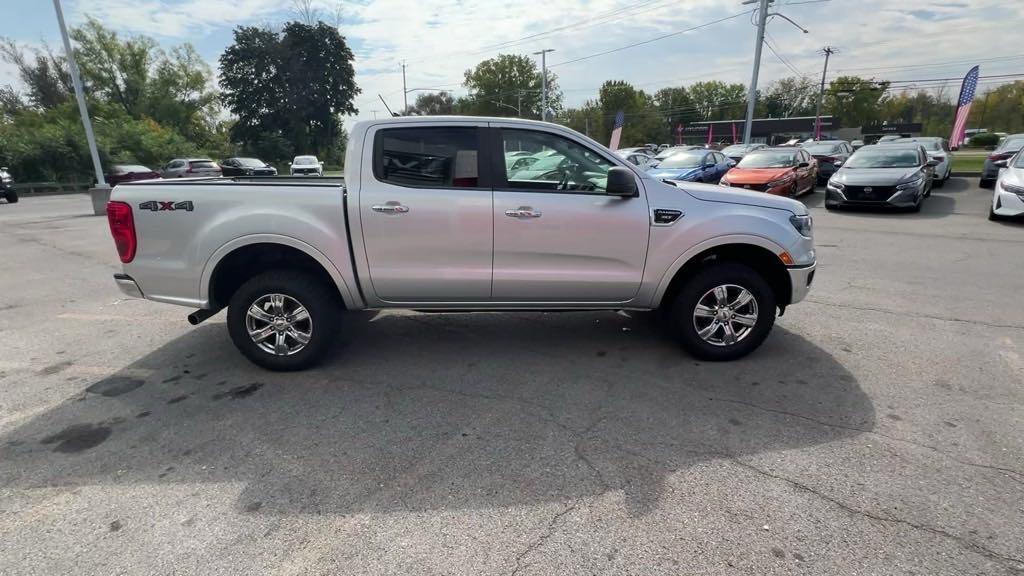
[{"x": 428, "y": 412}]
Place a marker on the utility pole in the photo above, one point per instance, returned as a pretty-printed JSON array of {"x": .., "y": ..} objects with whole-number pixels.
[
  {"x": 762, "y": 16},
  {"x": 827, "y": 51},
  {"x": 405, "y": 93},
  {"x": 544, "y": 82},
  {"x": 80, "y": 97}
]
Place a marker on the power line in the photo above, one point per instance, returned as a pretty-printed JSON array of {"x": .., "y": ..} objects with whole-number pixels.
[
  {"x": 662, "y": 37},
  {"x": 780, "y": 57}
]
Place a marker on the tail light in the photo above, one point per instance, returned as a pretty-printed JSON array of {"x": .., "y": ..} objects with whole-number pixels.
[
  {"x": 999, "y": 156},
  {"x": 122, "y": 228}
]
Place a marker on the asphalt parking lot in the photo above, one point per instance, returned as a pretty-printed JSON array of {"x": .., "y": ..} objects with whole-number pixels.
[{"x": 877, "y": 431}]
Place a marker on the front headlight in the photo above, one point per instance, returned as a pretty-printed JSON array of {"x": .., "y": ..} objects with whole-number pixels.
[
  {"x": 911, "y": 185},
  {"x": 1007, "y": 187},
  {"x": 724, "y": 181},
  {"x": 803, "y": 224},
  {"x": 780, "y": 182},
  {"x": 836, "y": 185}
]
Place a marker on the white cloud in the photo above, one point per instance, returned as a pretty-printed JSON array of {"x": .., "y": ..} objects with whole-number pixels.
[{"x": 175, "y": 19}]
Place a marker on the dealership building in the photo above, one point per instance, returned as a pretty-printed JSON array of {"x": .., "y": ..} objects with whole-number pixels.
[{"x": 775, "y": 131}]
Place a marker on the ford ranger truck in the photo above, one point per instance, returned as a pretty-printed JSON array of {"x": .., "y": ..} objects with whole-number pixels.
[{"x": 440, "y": 214}]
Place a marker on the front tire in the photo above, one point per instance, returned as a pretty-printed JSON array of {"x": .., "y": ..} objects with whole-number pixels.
[
  {"x": 723, "y": 312},
  {"x": 284, "y": 320}
]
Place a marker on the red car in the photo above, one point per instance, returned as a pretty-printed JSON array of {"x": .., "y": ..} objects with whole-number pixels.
[
  {"x": 128, "y": 172},
  {"x": 779, "y": 171}
]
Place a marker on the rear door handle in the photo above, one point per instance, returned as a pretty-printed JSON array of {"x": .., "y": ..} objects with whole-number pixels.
[
  {"x": 390, "y": 208},
  {"x": 523, "y": 212}
]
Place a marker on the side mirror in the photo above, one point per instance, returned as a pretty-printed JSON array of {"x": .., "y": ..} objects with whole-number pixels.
[
  {"x": 803, "y": 165},
  {"x": 933, "y": 163},
  {"x": 621, "y": 182},
  {"x": 997, "y": 164}
]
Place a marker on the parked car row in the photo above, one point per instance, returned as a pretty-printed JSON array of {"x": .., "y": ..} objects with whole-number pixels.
[{"x": 205, "y": 167}]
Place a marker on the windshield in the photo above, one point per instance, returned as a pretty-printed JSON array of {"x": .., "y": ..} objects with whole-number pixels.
[
  {"x": 736, "y": 149},
  {"x": 669, "y": 152},
  {"x": 251, "y": 162},
  {"x": 201, "y": 164},
  {"x": 130, "y": 168},
  {"x": 768, "y": 159},
  {"x": 929, "y": 144},
  {"x": 1020, "y": 161},
  {"x": 1012, "y": 144},
  {"x": 816, "y": 149},
  {"x": 305, "y": 160},
  {"x": 884, "y": 158},
  {"x": 682, "y": 160}
]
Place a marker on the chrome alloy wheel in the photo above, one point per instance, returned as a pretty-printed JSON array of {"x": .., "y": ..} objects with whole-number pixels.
[
  {"x": 279, "y": 324},
  {"x": 725, "y": 315}
]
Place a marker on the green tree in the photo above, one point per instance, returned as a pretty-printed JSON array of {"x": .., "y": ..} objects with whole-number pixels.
[
  {"x": 715, "y": 100},
  {"x": 44, "y": 74},
  {"x": 587, "y": 119},
  {"x": 643, "y": 123},
  {"x": 433, "y": 104},
  {"x": 676, "y": 107},
  {"x": 288, "y": 87},
  {"x": 509, "y": 84},
  {"x": 117, "y": 69},
  {"x": 1000, "y": 109},
  {"x": 855, "y": 100},
  {"x": 787, "y": 97}
]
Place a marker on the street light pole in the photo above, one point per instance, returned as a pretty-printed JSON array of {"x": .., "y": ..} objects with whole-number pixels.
[
  {"x": 544, "y": 82},
  {"x": 762, "y": 16},
  {"x": 405, "y": 93},
  {"x": 90, "y": 138},
  {"x": 828, "y": 51}
]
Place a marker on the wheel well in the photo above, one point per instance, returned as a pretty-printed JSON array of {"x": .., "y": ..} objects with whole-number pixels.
[
  {"x": 763, "y": 261},
  {"x": 246, "y": 262}
]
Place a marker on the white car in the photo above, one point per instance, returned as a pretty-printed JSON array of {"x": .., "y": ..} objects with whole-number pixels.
[
  {"x": 938, "y": 150},
  {"x": 1008, "y": 199},
  {"x": 306, "y": 166}
]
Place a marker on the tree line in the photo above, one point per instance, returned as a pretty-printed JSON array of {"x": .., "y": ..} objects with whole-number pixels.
[{"x": 281, "y": 93}]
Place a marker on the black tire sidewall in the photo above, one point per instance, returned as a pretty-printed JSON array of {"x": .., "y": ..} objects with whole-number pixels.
[
  {"x": 686, "y": 299},
  {"x": 322, "y": 305}
]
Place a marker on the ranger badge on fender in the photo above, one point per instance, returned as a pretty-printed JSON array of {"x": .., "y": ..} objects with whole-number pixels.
[{"x": 157, "y": 206}]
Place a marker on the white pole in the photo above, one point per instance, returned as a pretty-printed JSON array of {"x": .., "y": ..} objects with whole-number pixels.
[
  {"x": 762, "y": 15},
  {"x": 80, "y": 96},
  {"x": 544, "y": 82}
]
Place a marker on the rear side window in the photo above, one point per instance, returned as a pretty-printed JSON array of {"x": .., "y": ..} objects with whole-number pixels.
[
  {"x": 442, "y": 157},
  {"x": 202, "y": 164}
]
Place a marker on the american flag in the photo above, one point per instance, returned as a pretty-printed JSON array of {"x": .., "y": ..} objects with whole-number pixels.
[
  {"x": 963, "y": 107},
  {"x": 620, "y": 119}
]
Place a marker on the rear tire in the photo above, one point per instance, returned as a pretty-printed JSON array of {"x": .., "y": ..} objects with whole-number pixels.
[
  {"x": 11, "y": 196},
  {"x": 689, "y": 322},
  {"x": 298, "y": 288}
]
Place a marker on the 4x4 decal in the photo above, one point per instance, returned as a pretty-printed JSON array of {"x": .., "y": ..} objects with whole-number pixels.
[{"x": 160, "y": 206}]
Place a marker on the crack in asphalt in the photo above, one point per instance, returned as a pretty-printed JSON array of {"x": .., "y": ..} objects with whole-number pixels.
[
  {"x": 1014, "y": 475},
  {"x": 1015, "y": 563},
  {"x": 914, "y": 315},
  {"x": 540, "y": 540}
]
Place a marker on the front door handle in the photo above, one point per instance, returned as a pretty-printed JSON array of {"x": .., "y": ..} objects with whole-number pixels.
[
  {"x": 390, "y": 208},
  {"x": 523, "y": 212}
]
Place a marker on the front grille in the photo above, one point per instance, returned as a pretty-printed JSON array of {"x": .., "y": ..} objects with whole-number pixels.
[
  {"x": 754, "y": 187},
  {"x": 305, "y": 170},
  {"x": 869, "y": 193}
]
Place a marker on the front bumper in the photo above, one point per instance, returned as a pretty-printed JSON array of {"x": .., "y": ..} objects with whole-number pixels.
[
  {"x": 900, "y": 199},
  {"x": 128, "y": 285},
  {"x": 801, "y": 278},
  {"x": 1007, "y": 203}
]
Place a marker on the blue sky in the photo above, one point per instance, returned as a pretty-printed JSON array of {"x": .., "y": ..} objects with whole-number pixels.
[{"x": 890, "y": 39}]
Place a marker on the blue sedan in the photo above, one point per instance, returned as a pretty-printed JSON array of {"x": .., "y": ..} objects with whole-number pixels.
[{"x": 692, "y": 166}]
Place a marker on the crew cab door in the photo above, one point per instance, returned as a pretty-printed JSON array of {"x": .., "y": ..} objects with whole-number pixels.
[
  {"x": 425, "y": 213},
  {"x": 557, "y": 236}
]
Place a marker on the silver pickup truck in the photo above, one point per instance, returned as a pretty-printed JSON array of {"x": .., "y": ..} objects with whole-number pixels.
[{"x": 457, "y": 214}]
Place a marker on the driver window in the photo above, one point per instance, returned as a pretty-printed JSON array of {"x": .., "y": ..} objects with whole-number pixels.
[{"x": 559, "y": 163}]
